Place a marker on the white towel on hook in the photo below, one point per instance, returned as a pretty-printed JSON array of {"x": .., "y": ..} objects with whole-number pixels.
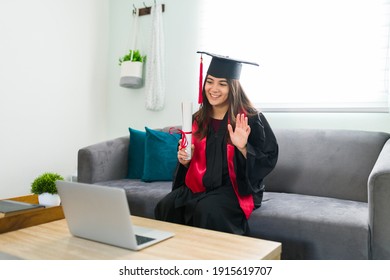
[{"x": 155, "y": 80}]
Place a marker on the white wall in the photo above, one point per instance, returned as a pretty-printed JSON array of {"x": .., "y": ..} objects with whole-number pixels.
[
  {"x": 127, "y": 106},
  {"x": 53, "y": 57}
]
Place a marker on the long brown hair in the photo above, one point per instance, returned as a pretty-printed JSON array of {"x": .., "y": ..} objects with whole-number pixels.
[{"x": 238, "y": 103}]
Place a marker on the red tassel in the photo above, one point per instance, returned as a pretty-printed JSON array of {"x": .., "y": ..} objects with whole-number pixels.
[{"x": 200, "y": 96}]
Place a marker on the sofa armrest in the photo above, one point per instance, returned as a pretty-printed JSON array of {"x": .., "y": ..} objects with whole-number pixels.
[
  {"x": 379, "y": 205},
  {"x": 103, "y": 161}
]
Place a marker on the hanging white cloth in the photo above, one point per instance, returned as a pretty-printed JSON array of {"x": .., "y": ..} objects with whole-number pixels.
[{"x": 155, "y": 80}]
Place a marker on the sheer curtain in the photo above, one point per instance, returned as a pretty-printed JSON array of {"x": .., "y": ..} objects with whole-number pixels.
[{"x": 314, "y": 55}]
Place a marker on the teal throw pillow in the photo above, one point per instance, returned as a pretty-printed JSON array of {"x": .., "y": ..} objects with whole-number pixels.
[
  {"x": 160, "y": 155},
  {"x": 136, "y": 154}
]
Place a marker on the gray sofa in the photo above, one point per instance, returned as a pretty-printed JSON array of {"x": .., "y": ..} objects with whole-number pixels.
[{"x": 327, "y": 198}]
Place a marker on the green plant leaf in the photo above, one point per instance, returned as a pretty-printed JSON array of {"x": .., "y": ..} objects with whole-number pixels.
[
  {"x": 45, "y": 183},
  {"x": 136, "y": 57}
]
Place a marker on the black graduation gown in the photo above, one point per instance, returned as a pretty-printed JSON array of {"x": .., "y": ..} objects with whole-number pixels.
[{"x": 217, "y": 208}]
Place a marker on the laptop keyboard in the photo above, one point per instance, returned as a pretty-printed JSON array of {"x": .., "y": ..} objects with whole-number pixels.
[{"x": 142, "y": 239}]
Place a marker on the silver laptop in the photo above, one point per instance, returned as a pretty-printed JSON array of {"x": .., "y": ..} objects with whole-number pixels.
[{"x": 102, "y": 214}]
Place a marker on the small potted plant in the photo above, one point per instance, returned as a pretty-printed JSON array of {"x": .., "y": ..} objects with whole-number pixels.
[
  {"x": 45, "y": 187},
  {"x": 132, "y": 69}
]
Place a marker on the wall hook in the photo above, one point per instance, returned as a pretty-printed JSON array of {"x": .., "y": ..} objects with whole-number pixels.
[{"x": 147, "y": 10}]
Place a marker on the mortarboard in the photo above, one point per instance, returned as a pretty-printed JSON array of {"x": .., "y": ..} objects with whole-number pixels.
[{"x": 221, "y": 67}]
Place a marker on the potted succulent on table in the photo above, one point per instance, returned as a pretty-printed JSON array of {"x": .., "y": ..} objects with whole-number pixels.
[
  {"x": 132, "y": 69},
  {"x": 45, "y": 187}
]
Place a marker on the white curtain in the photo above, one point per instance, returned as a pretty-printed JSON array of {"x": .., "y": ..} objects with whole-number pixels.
[{"x": 313, "y": 54}]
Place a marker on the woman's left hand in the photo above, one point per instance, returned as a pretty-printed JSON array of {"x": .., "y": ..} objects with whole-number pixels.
[{"x": 239, "y": 136}]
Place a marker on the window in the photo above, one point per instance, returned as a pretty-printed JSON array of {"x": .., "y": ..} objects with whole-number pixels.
[{"x": 314, "y": 55}]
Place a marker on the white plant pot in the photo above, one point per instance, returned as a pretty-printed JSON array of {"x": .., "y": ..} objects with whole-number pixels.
[
  {"x": 131, "y": 74},
  {"x": 48, "y": 199}
]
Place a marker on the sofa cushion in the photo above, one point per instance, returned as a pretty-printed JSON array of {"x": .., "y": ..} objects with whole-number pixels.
[
  {"x": 160, "y": 155},
  {"x": 141, "y": 196},
  {"x": 330, "y": 163},
  {"x": 136, "y": 154},
  {"x": 311, "y": 227},
  {"x": 152, "y": 154}
]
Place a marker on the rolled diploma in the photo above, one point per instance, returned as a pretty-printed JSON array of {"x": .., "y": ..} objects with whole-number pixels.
[{"x": 186, "y": 109}]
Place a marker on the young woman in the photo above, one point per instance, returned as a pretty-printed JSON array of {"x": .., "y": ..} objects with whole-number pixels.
[{"x": 233, "y": 149}]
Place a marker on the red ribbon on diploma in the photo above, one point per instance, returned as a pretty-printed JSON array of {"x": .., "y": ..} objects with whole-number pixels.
[{"x": 184, "y": 140}]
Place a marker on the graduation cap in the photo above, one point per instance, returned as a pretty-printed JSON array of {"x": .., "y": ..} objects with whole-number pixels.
[{"x": 221, "y": 67}]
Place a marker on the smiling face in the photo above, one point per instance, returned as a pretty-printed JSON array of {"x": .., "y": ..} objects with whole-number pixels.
[{"x": 217, "y": 92}]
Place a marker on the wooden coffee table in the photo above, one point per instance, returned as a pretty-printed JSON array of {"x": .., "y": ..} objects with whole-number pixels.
[{"x": 53, "y": 241}]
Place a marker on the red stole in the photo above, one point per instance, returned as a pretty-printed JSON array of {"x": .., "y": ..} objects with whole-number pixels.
[{"x": 197, "y": 169}]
